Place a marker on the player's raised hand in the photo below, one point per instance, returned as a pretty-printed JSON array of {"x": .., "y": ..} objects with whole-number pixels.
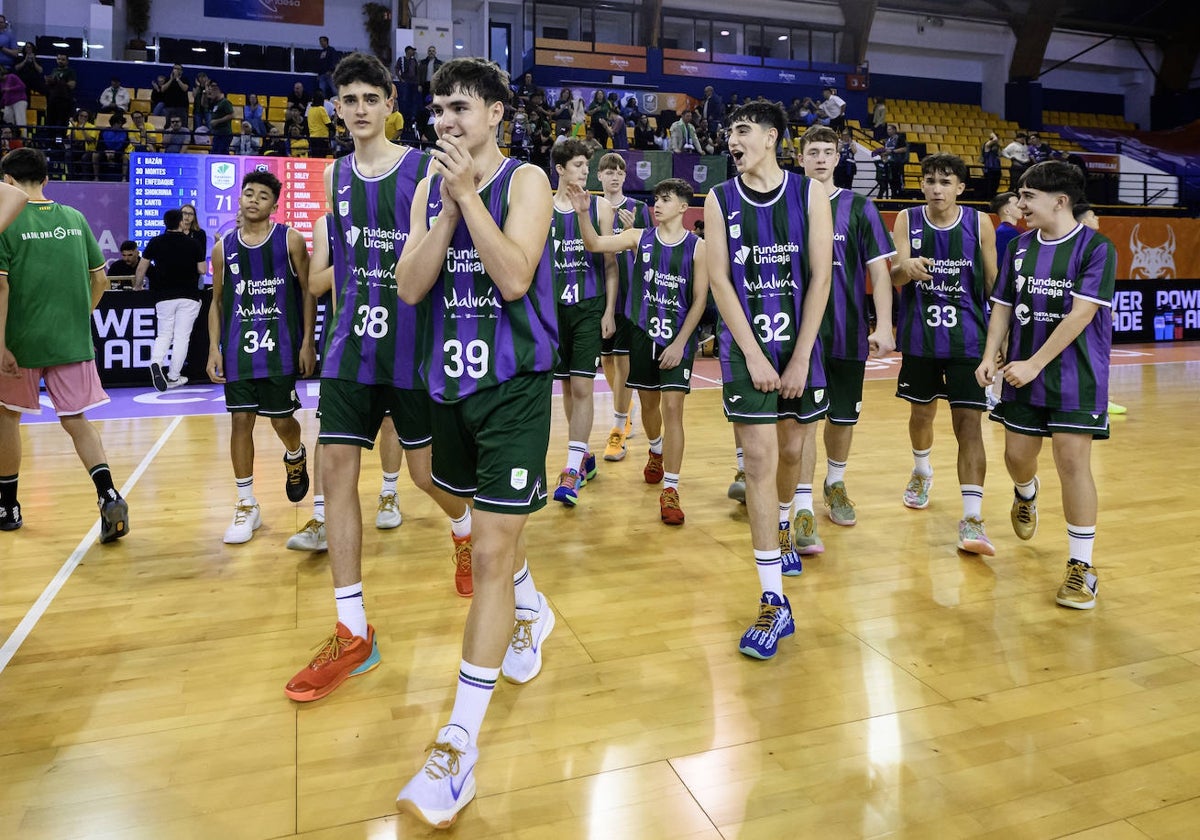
[
  {"x": 580, "y": 198},
  {"x": 215, "y": 368},
  {"x": 627, "y": 218},
  {"x": 456, "y": 166}
]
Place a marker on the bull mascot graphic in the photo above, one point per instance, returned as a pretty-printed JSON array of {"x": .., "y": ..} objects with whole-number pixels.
[{"x": 1152, "y": 262}]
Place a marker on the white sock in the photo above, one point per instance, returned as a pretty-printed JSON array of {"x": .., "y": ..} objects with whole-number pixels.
[
  {"x": 296, "y": 455},
  {"x": 576, "y": 451},
  {"x": 972, "y": 496},
  {"x": 1027, "y": 490},
  {"x": 656, "y": 445},
  {"x": 350, "y": 609},
  {"x": 921, "y": 465},
  {"x": 836, "y": 471},
  {"x": 525, "y": 591},
  {"x": 785, "y": 514},
  {"x": 1080, "y": 540},
  {"x": 319, "y": 508},
  {"x": 475, "y": 687},
  {"x": 741, "y": 459},
  {"x": 389, "y": 483},
  {"x": 245, "y": 488},
  {"x": 770, "y": 571},
  {"x": 619, "y": 420},
  {"x": 671, "y": 481},
  {"x": 803, "y": 497},
  {"x": 461, "y": 527}
]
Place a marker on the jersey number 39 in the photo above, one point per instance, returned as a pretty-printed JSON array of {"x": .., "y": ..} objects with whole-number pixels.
[{"x": 471, "y": 358}]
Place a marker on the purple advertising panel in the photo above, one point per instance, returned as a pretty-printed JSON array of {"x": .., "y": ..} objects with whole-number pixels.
[
  {"x": 104, "y": 205},
  {"x": 275, "y": 11}
]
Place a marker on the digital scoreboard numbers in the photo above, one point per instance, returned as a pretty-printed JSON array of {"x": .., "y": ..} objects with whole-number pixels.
[{"x": 212, "y": 183}]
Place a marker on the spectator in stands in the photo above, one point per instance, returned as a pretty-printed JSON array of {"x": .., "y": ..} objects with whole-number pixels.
[
  {"x": 683, "y": 137},
  {"x": 220, "y": 120},
  {"x": 893, "y": 154},
  {"x": 190, "y": 224},
  {"x": 712, "y": 108},
  {"x": 276, "y": 142},
  {"x": 1005, "y": 207},
  {"x": 562, "y": 110},
  {"x": 1018, "y": 152},
  {"x": 733, "y": 104},
  {"x": 1039, "y": 150},
  {"x": 176, "y": 136},
  {"x": 254, "y": 113},
  {"x": 643, "y": 135},
  {"x": 157, "y": 107},
  {"x": 620, "y": 132},
  {"x": 8, "y": 141},
  {"x": 30, "y": 70},
  {"x": 408, "y": 91},
  {"x": 990, "y": 158},
  {"x": 707, "y": 138},
  {"x": 879, "y": 119},
  {"x": 142, "y": 136},
  {"x": 175, "y": 96},
  {"x": 327, "y": 59},
  {"x": 83, "y": 137},
  {"x": 202, "y": 103},
  {"x": 796, "y": 113},
  {"x": 541, "y": 139},
  {"x": 631, "y": 111},
  {"x": 846, "y": 169},
  {"x": 297, "y": 142},
  {"x": 60, "y": 92},
  {"x": 526, "y": 89},
  {"x": 14, "y": 99},
  {"x": 832, "y": 110},
  {"x": 115, "y": 98},
  {"x": 597, "y": 111},
  {"x": 8, "y": 45},
  {"x": 537, "y": 108},
  {"x": 429, "y": 65},
  {"x": 246, "y": 143},
  {"x": 318, "y": 127},
  {"x": 342, "y": 142},
  {"x": 519, "y": 138},
  {"x": 122, "y": 270},
  {"x": 393, "y": 126},
  {"x": 111, "y": 146},
  {"x": 662, "y": 136},
  {"x": 299, "y": 97}
]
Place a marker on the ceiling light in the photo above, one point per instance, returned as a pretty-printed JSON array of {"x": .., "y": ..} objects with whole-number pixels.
[
  {"x": 61, "y": 44},
  {"x": 199, "y": 49},
  {"x": 783, "y": 37},
  {"x": 701, "y": 49},
  {"x": 725, "y": 32},
  {"x": 235, "y": 52}
]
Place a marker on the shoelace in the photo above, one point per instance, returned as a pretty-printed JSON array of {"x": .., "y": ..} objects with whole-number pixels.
[
  {"x": 785, "y": 540},
  {"x": 1024, "y": 511},
  {"x": 838, "y": 498},
  {"x": 295, "y": 470},
  {"x": 462, "y": 557},
  {"x": 669, "y": 501},
  {"x": 313, "y": 525},
  {"x": 451, "y": 755},
  {"x": 614, "y": 440},
  {"x": 806, "y": 525},
  {"x": 568, "y": 479},
  {"x": 241, "y": 513},
  {"x": 1076, "y": 578},
  {"x": 766, "y": 617},
  {"x": 330, "y": 649},
  {"x": 522, "y": 637},
  {"x": 740, "y": 477},
  {"x": 973, "y": 529},
  {"x": 387, "y": 502},
  {"x": 915, "y": 484}
]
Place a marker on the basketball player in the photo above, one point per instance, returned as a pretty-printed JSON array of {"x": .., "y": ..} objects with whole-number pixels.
[
  {"x": 371, "y": 361},
  {"x": 51, "y": 278},
  {"x": 770, "y": 244},
  {"x": 260, "y": 329},
  {"x": 664, "y": 302},
  {"x": 945, "y": 266},
  {"x": 585, "y": 286},
  {"x": 1053, "y": 303},
  {"x": 861, "y": 248},
  {"x": 312, "y": 536},
  {"x": 480, "y": 244},
  {"x": 614, "y": 351}
]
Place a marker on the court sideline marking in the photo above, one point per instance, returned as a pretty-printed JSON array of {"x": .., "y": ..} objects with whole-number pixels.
[{"x": 22, "y": 631}]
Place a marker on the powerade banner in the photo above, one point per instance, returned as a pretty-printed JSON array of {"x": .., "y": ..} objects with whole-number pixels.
[
  {"x": 1156, "y": 310},
  {"x": 275, "y": 11}
]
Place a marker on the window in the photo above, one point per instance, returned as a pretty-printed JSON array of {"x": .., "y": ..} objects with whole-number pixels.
[
  {"x": 824, "y": 47},
  {"x": 678, "y": 33}
]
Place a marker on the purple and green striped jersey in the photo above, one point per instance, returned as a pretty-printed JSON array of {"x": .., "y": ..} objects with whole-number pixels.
[
  {"x": 946, "y": 317},
  {"x": 1041, "y": 280},
  {"x": 262, "y": 302},
  {"x": 625, "y": 260},
  {"x": 859, "y": 238},
  {"x": 374, "y": 337},
  {"x": 578, "y": 275},
  {"x": 768, "y": 261},
  {"x": 477, "y": 339},
  {"x": 660, "y": 294}
]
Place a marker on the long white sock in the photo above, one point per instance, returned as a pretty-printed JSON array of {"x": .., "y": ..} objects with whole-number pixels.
[
  {"x": 770, "y": 571},
  {"x": 741, "y": 459},
  {"x": 475, "y": 687},
  {"x": 1027, "y": 490},
  {"x": 671, "y": 481},
  {"x": 350, "y": 608},
  {"x": 785, "y": 514},
  {"x": 972, "y": 496},
  {"x": 836, "y": 471},
  {"x": 656, "y": 445},
  {"x": 319, "y": 508},
  {"x": 389, "y": 483},
  {"x": 576, "y": 451},
  {"x": 921, "y": 465},
  {"x": 245, "y": 489},
  {"x": 803, "y": 498},
  {"x": 524, "y": 590},
  {"x": 619, "y": 420},
  {"x": 461, "y": 527},
  {"x": 1080, "y": 539}
]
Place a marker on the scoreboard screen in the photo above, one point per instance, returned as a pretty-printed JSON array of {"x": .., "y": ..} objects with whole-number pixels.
[{"x": 212, "y": 183}]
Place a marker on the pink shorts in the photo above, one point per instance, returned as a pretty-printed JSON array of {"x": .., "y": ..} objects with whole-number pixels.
[{"x": 73, "y": 388}]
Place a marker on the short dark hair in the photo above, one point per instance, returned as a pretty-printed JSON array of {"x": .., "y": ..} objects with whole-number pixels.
[
  {"x": 944, "y": 163},
  {"x": 611, "y": 160},
  {"x": 1080, "y": 210},
  {"x": 173, "y": 218},
  {"x": 761, "y": 112},
  {"x": 1001, "y": 199},
  {"x": 818, "y": 134},
  {"x": 675, "y": 187},
  {"x": 1055, "y": 176},
  {"x": 267, "y": 179},
  {"x": 25, "y": 165},
  {"x": 128, "y": 245},
  {"x": 473, "y": 76},
  {"x": 566, "y": 151},
  {"x": 361, "y": 67}
]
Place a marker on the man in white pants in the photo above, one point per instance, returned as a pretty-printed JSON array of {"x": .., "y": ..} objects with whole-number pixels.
[{"x": 178, "y": 263}]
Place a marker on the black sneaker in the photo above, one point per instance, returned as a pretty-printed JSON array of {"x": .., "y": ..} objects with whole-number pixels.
[
  {"x": 10, "y": 517},
  {"x": 297, "y": 476},
  {"x": 156, "y": 377},
  {"x": 114, "y": 519}
]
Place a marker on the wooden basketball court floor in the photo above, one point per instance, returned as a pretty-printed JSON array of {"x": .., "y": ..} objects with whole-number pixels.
[{"x": 926, "y": 693}]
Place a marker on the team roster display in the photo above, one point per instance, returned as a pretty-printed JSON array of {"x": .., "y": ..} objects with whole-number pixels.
[{"x": 159, "y": 182}]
